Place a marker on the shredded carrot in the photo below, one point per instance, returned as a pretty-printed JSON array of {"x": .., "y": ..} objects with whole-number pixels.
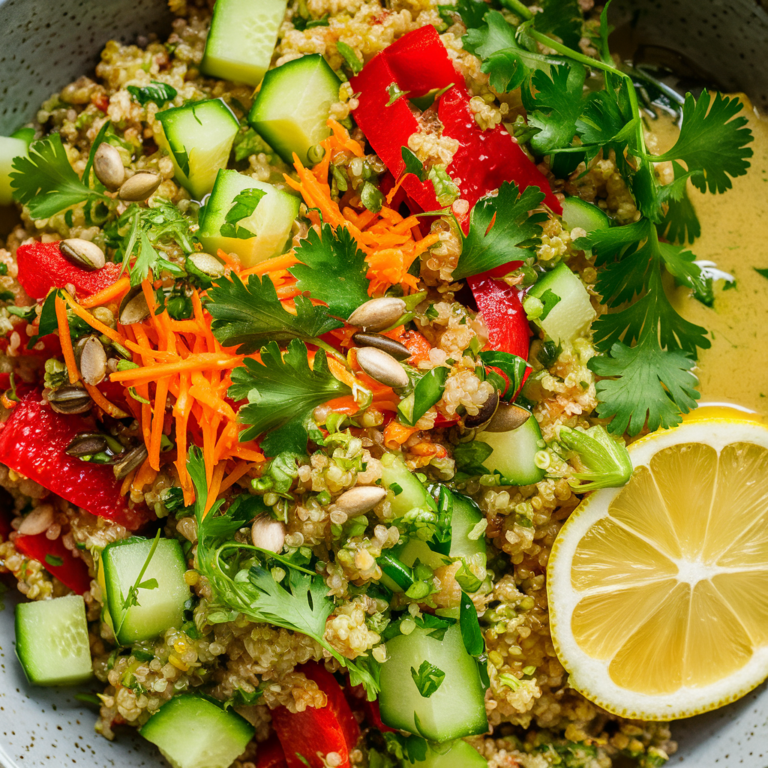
[
  {"x": 9, "y": 404},
  {"x": 158, "y": 419},
  {"x": 215, "y": 485},
  {"x": 66, "y": 340},
  {"x": 104, "y": 404},
  {"x": 88, "y": 318},
  {"x": 110, "y": 293},
  {"x": 271, "y": 265},
  {"x": 230, "y": 260},
  {"x": 127, "y": 482},
  {"x": 241, "y": 469},
  {"x": 395, "y": 434},
  {"x": 346, "y": 405},
  {"x": 146, "y": 475},
  {"x": 200, "y": 362}
]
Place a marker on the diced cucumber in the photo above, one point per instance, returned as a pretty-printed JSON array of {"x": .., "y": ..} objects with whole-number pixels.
[
  {"x": 586, "y": 216},
  {"x": 193, "y": 732},
  {"x": 52, "y": 641},
  {"x": 460, "y": 755},
  {"x": 158, "y": 608},
  {"x": 455, "y": 709},
  {"x": 514, "y": 453},
  {"x": 572, "y": 312},
  {"x": 242, "y": 39},
  {"x": 408, "y": 492},
  {"x": 292, "y": 108},
  {"x": 9, "y": 148},
  {"x": 198, "y": 137},
  {"x": 416, "y": 549},
  {"x": 466, "y": 515},
  {"x": 271, "y": 221}
]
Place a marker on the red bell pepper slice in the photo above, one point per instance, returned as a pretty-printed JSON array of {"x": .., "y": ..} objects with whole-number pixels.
[
  {"x": 331, "y": 728},
  {"x": 42, "y": 266},
  {"x": 270, "y": 754},
  {"x": 503, "y": 313},
  {"x": 71, "y": 571},
  {"x": 33, "y": 443}
]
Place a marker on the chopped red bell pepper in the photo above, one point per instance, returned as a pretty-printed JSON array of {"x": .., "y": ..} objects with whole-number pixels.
[
  {"x": 508, "y": 329},
  {"x": 270, "y": 754},
  {"x": 42, "y": 266},
  {"x": 71, "y": 571},
  {"x": 316, "y": 732},
  {"x": 33, "y": 442},
  {"x": 417, "y": 63}
]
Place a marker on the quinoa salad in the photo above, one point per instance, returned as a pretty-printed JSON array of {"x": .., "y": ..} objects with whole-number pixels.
[{"x": 320, "y": 320}]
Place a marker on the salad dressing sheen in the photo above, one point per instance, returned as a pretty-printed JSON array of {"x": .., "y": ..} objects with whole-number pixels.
[{"x": 734, "y": 235}]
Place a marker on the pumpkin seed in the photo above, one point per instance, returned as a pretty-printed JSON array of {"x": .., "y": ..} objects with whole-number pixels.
[
  {"x": 377, "y": 314},
  {"x": 268, "y": 534},
  {"x": 361, "y": 499},
  {"x": 382, "y": 367},
  {"x": 93, "y": 361},
  {"x": 133, "y": 308},
  {"x": 508, "y": 416},
  {"x": 108, "y": 166},
  {"x": 130, "y": 461},
  {"x": 83, "y": 253},
  {"x": 69, "y": 399},
  {"x": 209, "y": 266},
  {"x": 485, "y": 414},
  {"x": 384, "y": 343},
  {"x": 86, "y": 444},
  {"x": 38, "y": 521},
  {"x": 140, "y": 186}
]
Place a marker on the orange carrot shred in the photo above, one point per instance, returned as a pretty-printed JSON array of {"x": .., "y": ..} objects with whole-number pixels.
[
  {"x": 110, "y": 293},
  {"x": 242, "y": 468},
  {"x": 104, "y": 404},
  {"x": 66, "y": 340}
]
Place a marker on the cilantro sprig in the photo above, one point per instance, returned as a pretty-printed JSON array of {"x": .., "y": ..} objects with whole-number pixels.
[{"x": 242, "y": 581}]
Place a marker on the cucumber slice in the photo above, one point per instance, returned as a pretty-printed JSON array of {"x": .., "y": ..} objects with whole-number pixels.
[
  {"x": 271, "y": 222},
  {"x": 9, "y": 148},
  {"x": 416, "y": 549},
  {"x": 409, "y": 492},
  {"x": 159, "y": 608},
  {"x": 466, "y": 515},
  {"x": 292, "y": 108},
  {"x": 514, "y": 453},
  {"x": 460, "y": 755},
  {"x": 198, "y": 137},
  {"x": 242, "y": 39},
  {"x": 52, "y": 641},
  {"x": 192, "y": 732},
  {"x": 573, "y": 311},
  {"x": 578, "y": 213},
  {"x": 455, "y": 709}
]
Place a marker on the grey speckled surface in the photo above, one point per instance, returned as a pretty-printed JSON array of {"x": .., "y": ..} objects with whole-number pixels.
[{"x": 47, "y": 43}]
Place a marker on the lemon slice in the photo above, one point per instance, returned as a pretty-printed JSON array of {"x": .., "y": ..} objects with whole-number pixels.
[{"x": 658, "y": 591}]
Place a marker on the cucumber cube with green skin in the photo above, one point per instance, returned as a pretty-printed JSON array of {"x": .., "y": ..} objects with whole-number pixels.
[
  {"x": 52, "y": 641},
  {"x": 192, "y": 732},
  {"x": 460, "y": 755},
  {"x": 198, "y": 137},
  {"x": 454, "y": 710},
  {"x": 573, "y": 310},
  {"x": 271, "y": 221},
  {"x": 514, "y": 453},
  {"x": 160, "y": 603},
  {"x": 9, "y": 149},
  {"x": 292, "y": 107},
  {"x": 408, "y": 492},
  {"x": 242, "y": 39}
]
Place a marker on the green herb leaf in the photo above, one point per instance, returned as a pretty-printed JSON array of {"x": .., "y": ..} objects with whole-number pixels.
[
  {"x": 507, "y": 69},
  {"x": 469, "y": 457},
  {"x": 512, "y": 366},
  {"x": 428, "y": 678},
  {"x": 333, "y": 270},
  {"x": 243, "y": 206},
  {"x": 561, "y": 18},
  {"x": 446, "y": 190},
  {"x": 712, "y": 140},
  {"x": 428, "y": 391},
  {"x": 471, "y": 633},
  {"x": 48, "y": 321},
  {"x": 680, "y": 223},
  {"x": 156, "y": 92},
  {"x": 45, "y": 181},
  {"x": 54, "y": 561},
  {"x": 371, "y": 197},
  {"x": 394, "y": 93},
  {"x": 350, "y": 57},
  {"x": 605, "y": 459},
  {"x": 413, "y": 164},
  {"x": 250, "y": 315},
  {"x": 283, "y": 391},
  {"x": 502, "y": 229},
  {"x": 132, "y": 598},
  {"x": 466, "y": 579}
]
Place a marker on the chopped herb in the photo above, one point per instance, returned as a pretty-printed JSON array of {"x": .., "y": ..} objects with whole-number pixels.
[
  {"x": 132, "y": 597},
  {"x": 470, "y": 627},
  {"x": 428, "y": 678},
  {"x": 156, "y": 92},
  {"x": 394, "y": 94},
  {"x": 413, "y": 164},
  {"x": 243, "y": 206},
  {"x": 446, "y": 190},
  {"x": 350, "y": 57},
  {"x": 54, "y": 561}
]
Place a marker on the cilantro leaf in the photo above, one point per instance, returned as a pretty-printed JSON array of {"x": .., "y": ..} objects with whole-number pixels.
[
  {"x": 250, "y": 314},
  {"x": 556, "y": 106},
  {"x": 471, "y": 12},
  {"x": 495, "y": 35},
  {"x": 506, "y": 68},
  {"x": 680, "y": 223},
  {"x": 713, "y": 140},
  {"x": 412, "y": 164},
  {"x": 501, "y": 230},
  {"x": 332, "y": 270},
  {"x": 644, "y": 384},
  {"x": 156, "y": 92},
  {"x": 45, "y": 181},
  {"x": 283, "y": 390},
  {"x": 428, "y": 678},
  {"x": 243, "y": 206},
  {"x": 562, "y": 18}
]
